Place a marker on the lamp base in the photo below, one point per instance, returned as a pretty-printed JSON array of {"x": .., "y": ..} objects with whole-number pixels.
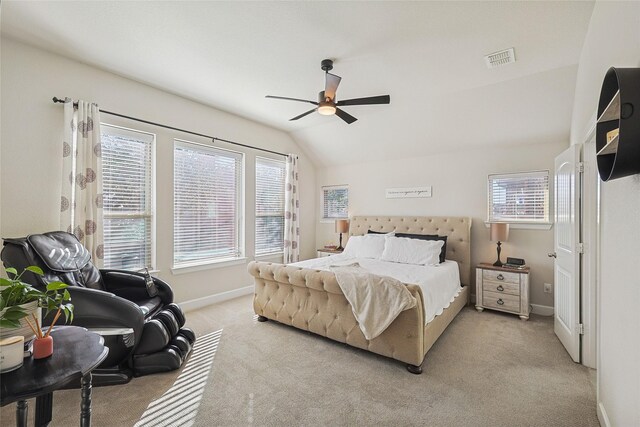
[
  {"x": 340, "y": 248},
  {"x": 498, "y": 263}
]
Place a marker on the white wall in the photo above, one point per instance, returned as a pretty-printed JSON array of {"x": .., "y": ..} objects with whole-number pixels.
[
  {"x": 613, "y": 39},
  {"x": 459, "y": 181},
  {"x": 31, "y": 153}
]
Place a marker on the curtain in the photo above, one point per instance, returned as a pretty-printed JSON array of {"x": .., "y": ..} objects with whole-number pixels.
[
  {"x": 81, "y": 201},
  {"x": 291, "y": 211}
]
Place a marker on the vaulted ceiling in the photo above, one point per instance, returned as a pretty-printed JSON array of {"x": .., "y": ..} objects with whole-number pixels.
[{"x": 427, "y": 55}]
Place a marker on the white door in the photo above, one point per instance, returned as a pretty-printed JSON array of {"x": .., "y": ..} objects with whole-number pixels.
[{"x": 566, "y": 244}]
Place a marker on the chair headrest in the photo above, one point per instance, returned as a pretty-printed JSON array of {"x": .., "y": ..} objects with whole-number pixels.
[{"x": 60, "y": 251}]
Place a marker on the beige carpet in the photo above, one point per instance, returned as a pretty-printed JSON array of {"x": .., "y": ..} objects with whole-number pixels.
[{"x": 488, "y": 369}]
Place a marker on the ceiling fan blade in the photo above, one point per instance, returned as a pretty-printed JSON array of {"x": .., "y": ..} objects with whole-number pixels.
[
  {"x": 331, "y": 85},
  {"x": 303, "y": 114},
  {"x": 345, "y": 116},
  {"x": 291, "y": 99},
  {"x": 382, "y": 99}
]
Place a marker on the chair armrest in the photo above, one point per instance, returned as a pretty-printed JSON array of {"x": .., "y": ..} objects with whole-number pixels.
[
  {"x": 131, "y": 285},
  {"x": 96, "y": 309}
]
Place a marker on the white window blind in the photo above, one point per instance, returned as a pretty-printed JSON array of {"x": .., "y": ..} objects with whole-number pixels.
[
  {"x": 207, "y": 203},
  {"x": 127, "y": 170},
  {"x": 519, "y": 197},
  {"x": 335, "y": 202},
  {"x": 269, "y": 206}
]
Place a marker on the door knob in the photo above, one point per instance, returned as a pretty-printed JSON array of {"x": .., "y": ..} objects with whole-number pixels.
[{"x": 552, "y": 255}]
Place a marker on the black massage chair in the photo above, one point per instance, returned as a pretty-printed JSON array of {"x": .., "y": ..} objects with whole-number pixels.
[{"x": 134, "y": 312}]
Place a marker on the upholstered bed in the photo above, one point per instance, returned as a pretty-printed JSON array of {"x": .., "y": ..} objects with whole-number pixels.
[{"x": 312, "y": 300}]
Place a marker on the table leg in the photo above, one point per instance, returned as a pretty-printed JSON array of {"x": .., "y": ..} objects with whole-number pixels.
[
  {"x": 85, "y": 403},
  {"x": 22, "y": 409},
  {"x": 44, "y": 409}
]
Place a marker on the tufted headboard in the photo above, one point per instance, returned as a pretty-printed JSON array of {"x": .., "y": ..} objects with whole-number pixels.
[{"x": 457, "y": 230}]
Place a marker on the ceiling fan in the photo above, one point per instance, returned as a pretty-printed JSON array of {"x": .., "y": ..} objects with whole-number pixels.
[{"x": 327, "y": 104}]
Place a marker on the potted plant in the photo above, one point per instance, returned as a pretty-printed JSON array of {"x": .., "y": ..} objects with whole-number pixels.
[
  {"x": 16, "y": 297},
  {"x": 17, "y": 300}
]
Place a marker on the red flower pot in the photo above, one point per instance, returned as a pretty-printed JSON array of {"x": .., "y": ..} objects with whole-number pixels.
[{"x": 43, "y": 347}]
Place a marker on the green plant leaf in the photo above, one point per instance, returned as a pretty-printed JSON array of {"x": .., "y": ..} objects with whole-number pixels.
[
  {"x": 56, "y": 286},
  {"x": 68, "y": 313},
  {"x": 11, "y": 270},
  {"x": 14, "y": 313},
  {"x": 5, "y": 323},
  {"x": 5, "y": 282},
  {"x": 35, "y": 269}
]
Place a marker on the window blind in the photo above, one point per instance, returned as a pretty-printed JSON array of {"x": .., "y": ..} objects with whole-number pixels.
[
  {"x": 519, "y": 197},
  {"x": 335, "y": 202},
  {"x": 207, "y": 203},
  {"x": 127, "y": 173},
  {"x": 269, "y": 206}
]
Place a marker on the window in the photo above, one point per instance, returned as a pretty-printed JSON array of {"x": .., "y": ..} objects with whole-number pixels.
[
  {"x": 207, "y": 188},
  {"x": 269, "y": 205},
  {"x": 127, "y": 173},
  {"x": 519, "y": 197},
  {"x": 335, "y": 202}
]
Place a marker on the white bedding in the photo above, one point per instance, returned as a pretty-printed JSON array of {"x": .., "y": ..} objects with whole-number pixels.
[{"x": 440, "y": 284}]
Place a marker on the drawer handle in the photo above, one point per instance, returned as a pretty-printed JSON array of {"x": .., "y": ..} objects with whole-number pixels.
[
  {"x": 500, "y": 277},
  {"x": 500, "y": 288},
  {"x": 500, "y": 302}
]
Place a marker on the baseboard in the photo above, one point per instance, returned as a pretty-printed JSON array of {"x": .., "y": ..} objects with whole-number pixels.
[
  {"x": 542, "y": 310},
  {"x": 602, "y": 416},
  {"x": 197, "y": 303}
]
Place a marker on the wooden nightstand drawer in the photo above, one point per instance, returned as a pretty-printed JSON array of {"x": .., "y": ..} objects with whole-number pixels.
[
  {"x": 501, "y": 288},
  {"x": 501, "y": 276},
  {"x": 501, "y": 301}
]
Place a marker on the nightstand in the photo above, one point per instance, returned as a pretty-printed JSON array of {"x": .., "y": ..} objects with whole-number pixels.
[
  {"x": 503, "y": 289},
  {"x": 322, "y": 252}
]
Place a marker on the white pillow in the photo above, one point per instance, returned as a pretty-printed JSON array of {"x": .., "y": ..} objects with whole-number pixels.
[
  {"x": 367, "y": 246},
  {"x": 412, "y": 251}
]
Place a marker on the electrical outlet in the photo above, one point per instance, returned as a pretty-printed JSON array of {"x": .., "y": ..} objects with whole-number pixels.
[{"x": 548, "y": 288}]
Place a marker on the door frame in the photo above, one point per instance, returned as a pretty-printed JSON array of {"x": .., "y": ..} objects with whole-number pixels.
[{"x": 590, "y": 231}]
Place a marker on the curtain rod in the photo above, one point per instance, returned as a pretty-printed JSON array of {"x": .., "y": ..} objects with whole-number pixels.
[{"x": 213, "y": 138}]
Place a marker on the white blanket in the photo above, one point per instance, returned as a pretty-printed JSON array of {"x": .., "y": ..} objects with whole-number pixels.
[
  {"x": 376, "y": 301},
  {"x": 440, "y": 284}
]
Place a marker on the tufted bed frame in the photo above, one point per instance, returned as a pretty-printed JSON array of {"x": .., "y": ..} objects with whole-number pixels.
[{"x": 313, "y": 301}]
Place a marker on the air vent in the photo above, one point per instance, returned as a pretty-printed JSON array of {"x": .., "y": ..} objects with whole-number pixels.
[{"x": 503, "y": 57}]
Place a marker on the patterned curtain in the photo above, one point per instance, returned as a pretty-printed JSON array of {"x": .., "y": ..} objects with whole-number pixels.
[
  {"x": 81, "y": 202},
  {"x": 291, "y": 211}
]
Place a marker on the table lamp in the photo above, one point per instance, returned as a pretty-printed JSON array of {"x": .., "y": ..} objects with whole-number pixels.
[
  {"x": 342, "y": 226},
  {"x": 499, "y": 232}
]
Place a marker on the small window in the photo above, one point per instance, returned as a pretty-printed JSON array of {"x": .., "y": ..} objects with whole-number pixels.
[
  {"x": 269, "y": 206},
  {"x": 127, "y": 172},
  {"x": 207, "y": 204},
  {"x": 519, "y": 197},
  {"x": 335, "y": 202}
]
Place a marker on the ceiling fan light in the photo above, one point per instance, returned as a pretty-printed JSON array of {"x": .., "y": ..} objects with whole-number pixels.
[{"x": 326, "y": 109}]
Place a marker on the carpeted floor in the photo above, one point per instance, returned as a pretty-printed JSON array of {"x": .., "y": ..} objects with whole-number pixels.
[{"x": 488, "y": 369}]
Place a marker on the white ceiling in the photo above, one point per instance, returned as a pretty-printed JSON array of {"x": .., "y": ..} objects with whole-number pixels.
[{"x": 427, "y": 55}]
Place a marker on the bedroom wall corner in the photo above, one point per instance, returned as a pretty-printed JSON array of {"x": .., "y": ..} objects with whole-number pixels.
[
  {"x": 31, "y": 131},
  {"x": 454, "y": 194}
]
